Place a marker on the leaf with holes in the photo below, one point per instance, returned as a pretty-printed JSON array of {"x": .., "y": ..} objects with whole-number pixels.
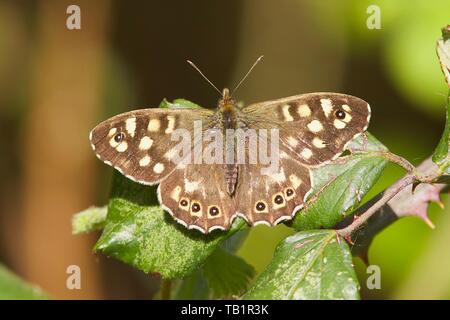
[
  {"x": 338, "y": 188},
  {"x": 308, "y": 265}
]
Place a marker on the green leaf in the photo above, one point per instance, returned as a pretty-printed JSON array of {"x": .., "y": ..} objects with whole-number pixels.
[
  {"x": 178, "y": 103},
  {"x": 14, "y": 288},
  {"x": 138, "y": 232},
  {"x": 308, "y": 265},
  {"x": 338, "y": 188},
  {"x": 196, "y": 287},
  {"x": 441, "y": 155},
  {"x": 227, "y": 274},
  {"x": 91, "y": 219},
  {"x": 192, "y": 287}
]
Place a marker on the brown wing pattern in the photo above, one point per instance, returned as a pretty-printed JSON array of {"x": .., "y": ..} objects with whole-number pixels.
[
  {"x": 315, "y": 127},
  {"x": 196, "y": 197},
  {"x": 138, "y": 143}
]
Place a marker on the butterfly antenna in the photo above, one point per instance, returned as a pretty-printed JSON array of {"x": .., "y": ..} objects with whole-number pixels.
[
  {"x": 246, "y": 75},
  {"x": 201, "y": 73}
]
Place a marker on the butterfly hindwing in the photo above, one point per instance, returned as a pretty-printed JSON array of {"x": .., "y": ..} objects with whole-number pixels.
[
  {"x": 138, "y": 143},
  {"x": 274, "y": 197},
  {"x": 195, "y": 195}
]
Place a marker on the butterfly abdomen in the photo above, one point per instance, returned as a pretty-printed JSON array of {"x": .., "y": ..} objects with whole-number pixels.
[{"x": 231, "y": 177}]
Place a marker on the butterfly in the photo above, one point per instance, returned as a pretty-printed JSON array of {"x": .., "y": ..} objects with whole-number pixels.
[{"x": 313, "y": 129}]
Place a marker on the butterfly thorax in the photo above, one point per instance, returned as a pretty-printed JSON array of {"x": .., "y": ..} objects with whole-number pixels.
[{"x": 228, "y": 114}]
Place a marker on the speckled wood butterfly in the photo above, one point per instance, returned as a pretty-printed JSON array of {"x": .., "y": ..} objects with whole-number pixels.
[{"x": 313, "y": 129}]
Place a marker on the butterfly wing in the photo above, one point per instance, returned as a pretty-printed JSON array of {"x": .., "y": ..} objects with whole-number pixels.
[
  {"x": 195, "y": 195},
  {"x": 144, "y": 144},
  {"x": 313, "y": 128},
  {"x": 271, "y": 199}
]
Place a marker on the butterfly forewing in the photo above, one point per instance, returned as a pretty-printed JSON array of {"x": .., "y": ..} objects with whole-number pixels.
[
  {"x": 139, "y": 143},
  {"x": 315, "y": 127}
]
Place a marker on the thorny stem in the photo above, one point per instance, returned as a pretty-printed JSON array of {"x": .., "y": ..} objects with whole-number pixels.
[
  {"x": 414, "y": 176},
  {"x": 387, "y": 195},
  {"x": 402, "y": 162}
]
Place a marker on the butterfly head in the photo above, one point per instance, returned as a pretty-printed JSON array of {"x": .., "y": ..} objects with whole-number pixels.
[{"x": 226, "y": 102}]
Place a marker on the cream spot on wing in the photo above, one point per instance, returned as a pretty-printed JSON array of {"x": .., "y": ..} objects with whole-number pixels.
[
  {"x": 130, "y": 126},
  {"x": 279, "y": 176},
  {"x": 346, "y": 107},
  {"x": 339, "y": 124},
  {"x": 191, "y": 186},
  {"x": 306, "y": 153},
  {"x": 122, "y": 147},
  {"x": 284, "y": 155},
  {"x": 113, "y": 143},
  {"x": 112, "y": 132},
  {"x": 153, "y": 125},
  {"x": 327, "y": 107},
  {"x": 347, "y": 118},
  {"x": 286, "y": 114},
  {"x": 315, "y": 126},
  {"x": 318, "y": 143},
  {"x": 175, "y": 194},
  {"x": 304, "y": 110},
  {"x": 171, "y": 124},
  {"x": 145, "y": 161},
  {"x": 158, "y": 168},
  {"x": 292, "y": 141},
  {"x": 296, "y": 181},
  {"x": 169, "y": 155},
  {"x": 145, "y": 143}
]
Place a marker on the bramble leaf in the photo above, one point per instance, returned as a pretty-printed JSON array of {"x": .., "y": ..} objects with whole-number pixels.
[
  {"x": 339, "y": 187},
  {"x": 91, "y": 219},
  {"x": 138, "y": 232},
  {"x": 441, "y": 155},
  {"x": 308, "y": 265}
]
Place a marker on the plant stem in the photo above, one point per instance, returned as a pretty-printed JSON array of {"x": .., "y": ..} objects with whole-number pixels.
[
  {"x": 427, "y": 172},
  {"x": 166, "y": 288},
  {"x": 388, "y": 194},
  {"x": 402, "y": 162}
]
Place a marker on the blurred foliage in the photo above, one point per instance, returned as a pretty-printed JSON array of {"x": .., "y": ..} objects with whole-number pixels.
[
  {"x": 406, "y": 42},
  {"x": 401, "y": 55},
  {"x": 14, "y": 288}
]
